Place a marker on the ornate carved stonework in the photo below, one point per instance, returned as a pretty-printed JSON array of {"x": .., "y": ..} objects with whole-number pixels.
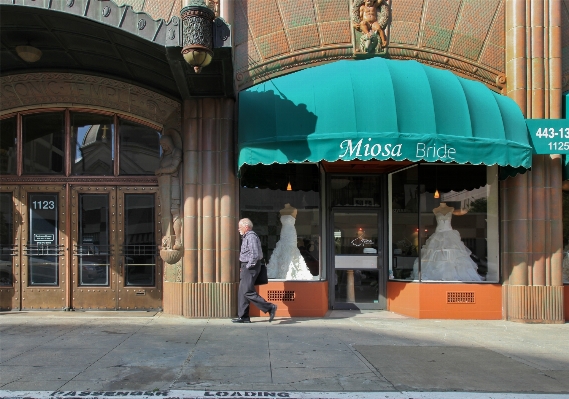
[
  {"x": 149, "y": 181},
  {"x": 69, "y": 89},
  {"x": 370, "y": 19}
]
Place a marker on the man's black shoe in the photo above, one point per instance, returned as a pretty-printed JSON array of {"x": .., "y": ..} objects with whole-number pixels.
[
  {"x": 241, "y": 320},
  {"x": 272, "y": 313}
]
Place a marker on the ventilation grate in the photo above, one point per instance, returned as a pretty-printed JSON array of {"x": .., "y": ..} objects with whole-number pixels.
[
  {"x": 281, "y": 296},
  {"x": 460, "y": 297}
]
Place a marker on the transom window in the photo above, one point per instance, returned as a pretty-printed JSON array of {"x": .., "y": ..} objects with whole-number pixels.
[{"x": 77, "y": 143}]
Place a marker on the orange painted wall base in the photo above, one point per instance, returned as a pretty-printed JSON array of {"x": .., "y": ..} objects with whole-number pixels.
[
  {"x": 309, "y": 298},
  {"x": 566, "y": 301},
  {"x": 429, "y": 300}
]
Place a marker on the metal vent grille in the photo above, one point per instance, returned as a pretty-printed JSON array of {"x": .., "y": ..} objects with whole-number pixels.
[
  {"x": 281, "y": 296},
  {"x": 460, "y": 297}
]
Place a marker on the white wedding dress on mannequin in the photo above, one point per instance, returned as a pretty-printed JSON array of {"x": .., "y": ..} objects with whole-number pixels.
[
  {"x": 444, "y": 257},
  {"x": 286, "y": 261}
]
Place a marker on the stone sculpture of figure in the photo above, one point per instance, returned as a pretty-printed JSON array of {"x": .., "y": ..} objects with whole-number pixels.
[
  {"x": 169, "y": 183},
  {"x": 371, "y": 18}
]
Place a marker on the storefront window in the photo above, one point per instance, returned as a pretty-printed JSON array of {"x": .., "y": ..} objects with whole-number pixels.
[
  {"x": 283, "y": 201},
  {"x": 93, "y": 138},
  {"x": 139, "y": 148},
  {"x": 44, "y": 143},
  {"x": 8, "y": 146},
  {"x": 448, "y": 228}
]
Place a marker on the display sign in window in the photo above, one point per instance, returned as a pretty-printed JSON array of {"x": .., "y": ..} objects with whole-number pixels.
[{"x": 42, "y": 247}]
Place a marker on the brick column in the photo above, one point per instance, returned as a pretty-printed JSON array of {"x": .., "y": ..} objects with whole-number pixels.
[
  {"x": 531, "y": 206},
  {"x": 210, "y": 208}
]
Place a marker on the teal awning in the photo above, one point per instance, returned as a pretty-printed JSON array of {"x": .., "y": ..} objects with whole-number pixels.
[{"x": 379, "y": 109}]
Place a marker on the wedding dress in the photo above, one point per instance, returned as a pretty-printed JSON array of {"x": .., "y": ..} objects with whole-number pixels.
[
  {"x": 286, "y": 261},
  {"x": 444, "y": 256}
]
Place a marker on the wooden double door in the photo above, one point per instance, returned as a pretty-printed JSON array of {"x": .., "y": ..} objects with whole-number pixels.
[{"x": 79, "y": 247}]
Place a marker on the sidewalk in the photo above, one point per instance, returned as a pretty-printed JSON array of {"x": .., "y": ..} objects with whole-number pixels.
[{"x": 347, "y": 351}]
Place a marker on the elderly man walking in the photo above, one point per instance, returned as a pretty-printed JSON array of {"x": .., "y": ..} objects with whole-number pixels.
[{"x": 250, "y": 261}]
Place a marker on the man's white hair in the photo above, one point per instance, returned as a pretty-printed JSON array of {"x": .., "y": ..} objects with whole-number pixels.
[{"x": 246, "y": 222}]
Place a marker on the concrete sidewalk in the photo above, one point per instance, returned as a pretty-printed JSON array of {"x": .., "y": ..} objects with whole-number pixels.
[{"x": 346, "y": 351}]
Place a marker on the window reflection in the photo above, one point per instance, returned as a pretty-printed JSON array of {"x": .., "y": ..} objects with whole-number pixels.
[
  {"x": 8, "y": 146},
  {"x": 139, "y": 239},
  {"x": 43, "y": 139},
  {"x": 93, "y": 242},
  {"x": 139, "y": 149},
  {"x": 94, "y": 137}
]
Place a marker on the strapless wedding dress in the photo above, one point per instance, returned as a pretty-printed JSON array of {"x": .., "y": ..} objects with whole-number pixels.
[
  {"x": 444, "y": 256},
  {"x": 286, "y": 261}
]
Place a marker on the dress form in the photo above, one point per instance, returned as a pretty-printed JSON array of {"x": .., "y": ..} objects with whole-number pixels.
[
  {"x": 443, "y": 208},
  {"x": 289, "y": 210},
  {"x": 286, "y": 262},
  {"x": 444, "y": 257}
]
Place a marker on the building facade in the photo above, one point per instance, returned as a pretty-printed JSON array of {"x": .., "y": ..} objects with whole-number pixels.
[{"x": 395, "y": 130}]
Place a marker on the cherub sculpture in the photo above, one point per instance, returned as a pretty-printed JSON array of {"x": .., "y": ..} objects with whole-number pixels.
[{"x": 371, "y": 18}]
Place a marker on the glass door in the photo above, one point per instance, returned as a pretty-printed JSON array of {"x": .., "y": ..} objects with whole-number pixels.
[{"x": 357, "y": 259}]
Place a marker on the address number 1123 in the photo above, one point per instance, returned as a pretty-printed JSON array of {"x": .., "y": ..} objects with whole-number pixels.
[{"x": 550, "y": 133}]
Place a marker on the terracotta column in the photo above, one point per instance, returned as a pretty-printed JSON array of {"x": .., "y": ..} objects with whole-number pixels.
[
  {"x": 210, "y": 200},
  {"x": 532, "y": 230}
]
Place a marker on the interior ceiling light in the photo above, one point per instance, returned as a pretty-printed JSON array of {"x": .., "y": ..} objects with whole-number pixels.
[{"x": 29, "y": 53}]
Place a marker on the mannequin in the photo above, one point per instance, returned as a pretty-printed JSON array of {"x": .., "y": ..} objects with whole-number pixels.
[
  {"x": 443, "y": 209},
  {"x": 286, "y": 261},
  {"x": 444, "y": 257},
  {"x": 289, "y": 210}
]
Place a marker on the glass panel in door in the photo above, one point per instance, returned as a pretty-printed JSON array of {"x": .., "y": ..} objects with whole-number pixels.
[
  {"x": 357, "y": 252},
  {"x": 43, "y": 244}
]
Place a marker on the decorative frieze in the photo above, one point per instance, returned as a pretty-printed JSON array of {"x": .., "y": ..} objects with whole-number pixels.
[{"x": 68, "y": 89}]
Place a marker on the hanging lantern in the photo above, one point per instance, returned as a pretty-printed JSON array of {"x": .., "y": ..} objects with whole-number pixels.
[{"x": 197, "y": 37}]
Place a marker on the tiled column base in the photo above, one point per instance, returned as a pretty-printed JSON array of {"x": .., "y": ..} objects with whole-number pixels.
[
  {"x": 172, "y": 299},
  {"x": 533, "y": 304},
  {"x": 210, "y": 299}
]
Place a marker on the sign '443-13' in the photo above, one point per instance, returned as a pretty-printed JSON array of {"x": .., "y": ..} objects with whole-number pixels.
[{"x": 549, "y": 136}]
